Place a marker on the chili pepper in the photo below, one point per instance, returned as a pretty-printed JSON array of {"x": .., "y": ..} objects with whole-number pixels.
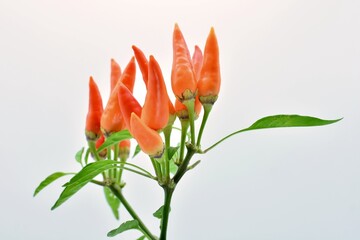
[
  {"x": 124, "y": 149},
  {"x": 142, "y": 62},
  {"x": 182, "y": 111},
  {"x": 148, "y": 139},
  {"x": 112, "y": 120},
  {"x": 92, "y": 128},
  {"x": 183, "y": 80},
  {"x": 98, "y": 144},
  {"x": 128, "y": 104},
  {"x": 115, "y": 74},
  {"x": 197, "y": 60},
  {"x": 210, "y": 79},
  {"x": 155, "y": 113}
]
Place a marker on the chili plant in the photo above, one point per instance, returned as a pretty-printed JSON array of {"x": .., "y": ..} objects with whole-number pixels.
[{"x": 195, "y": 82}]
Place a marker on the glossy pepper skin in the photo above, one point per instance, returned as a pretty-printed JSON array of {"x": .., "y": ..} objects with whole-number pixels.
[
  {"x": 142, "y": 62},
  {"x": 210, "y": 79},
  {"x": 92, "y": 128},
  {"x": 183, "y": 80},
  {"x": 112, "y": 120},
  {"x": 128, "y": 104},
  {"x": 197, "y": 60},
  {"x": 115, "y": 74},
  {"x": 148, "y": 139},
  {"x": 155, "y": 113}
]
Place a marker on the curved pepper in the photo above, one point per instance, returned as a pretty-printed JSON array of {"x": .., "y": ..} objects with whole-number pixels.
[
  {"x": 183, "y": 80},
  {"x": 128, "y": 104},
  {"x": 142, "y": 62},
  {"x": 210, "y": 79},
  {"x": 92, "y": 128},
  {"x": 115, "y": 74},
  {"x": 112, "y": 120},
  {"x": 148, "y": 139},
  {"x": 155, "y": 113}
]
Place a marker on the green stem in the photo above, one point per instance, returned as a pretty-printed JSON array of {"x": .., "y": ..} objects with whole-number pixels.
[
  {"x": 207, "y": 110},
  {"x": 92, "y": 147},
  {"x": 190, "y": 107},
  {"x": 168, "y": 192},
  {"x": 116, "y": 157},
  {"x": 157, "y": 169},
  {"x": 117, "y": 192},
  {"x": 183, "y": 167},
  {"x": 184, "y": 128},
  {"x": 167, "y": 134}
]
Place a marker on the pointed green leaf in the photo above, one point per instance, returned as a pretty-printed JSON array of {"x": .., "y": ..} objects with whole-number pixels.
[
  {"x": 82, "y": 178},
  {"x": 113, "y": 202},
  {"x": 114, "y": 139},
  {"x": 137, "y": 151},
  {"x": 49, "y": 180},
  {"x": 133, "y": 224},
  {"x": 159, "y": 213},
  {"x": 172, "y": 151},
  {"x": 280, "y": 121},
  {"x": 78, "y": 155}
]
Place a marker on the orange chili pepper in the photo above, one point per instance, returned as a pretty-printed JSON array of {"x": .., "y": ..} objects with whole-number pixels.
[
  {"x": 197, "y": 60},
  {"x": 98, "y": 144},
  {"x": 210, "y": 79},
  {"x": 124, "y": 149},
  {"x": 155, "y": 113},
  {"x": 128, "y": 104},
  {"x": 112, "y": 120},
  {"x": 92, "y": 128},
  {"x": 148, "y": 139},
  {"x": 115, "y": 74},
  {"x": 142, "y": 62},
  {"x": 183, "y": 80}
]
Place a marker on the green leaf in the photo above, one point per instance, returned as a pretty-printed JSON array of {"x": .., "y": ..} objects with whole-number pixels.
[
  {"x": 49, "y": 180},
  {"x": 78, "y": 155},
  {"x": 172, "y": 151},
  {"x": 173, "y": 154},
  {"x": 114, "y": 139},
  {"x": 141, "y": 238},
  {"x": 137, "y": 150},
  {"x": 159, "y": 213},
  {"x": 173, "y": 167},
  {"x": 280, "y": 121},
  {"x": 113, "y": 202},
  {"x": 129, "y": 225},
  {"x": 82, "y": 178}
]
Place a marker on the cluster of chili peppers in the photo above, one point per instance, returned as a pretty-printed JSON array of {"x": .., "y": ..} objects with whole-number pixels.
[{"x": 195, "y": 82}]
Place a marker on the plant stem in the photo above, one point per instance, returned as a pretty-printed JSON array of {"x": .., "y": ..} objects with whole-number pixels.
[
  {"x": 190, "y": 107},
  {"x": 92, "y": 147},
  {"x": 117, "y": 192},
  {"x": 116, "y": 157},
  {"x": 183, "y": 167},
  {"x": 167, "y": 134},
  {"x": 168, "y": 191},
  {"x": 184, "y": 128},
  {"x": 207, "y": 110}
]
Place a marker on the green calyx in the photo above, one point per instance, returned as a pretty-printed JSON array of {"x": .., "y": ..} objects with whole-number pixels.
[
  {"x": 187, "y": 95},
  {"x": 91, "y": 136},
  {"x": 208, "y": 100}
]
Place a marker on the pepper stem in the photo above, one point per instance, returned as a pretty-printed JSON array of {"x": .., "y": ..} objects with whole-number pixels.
[
  {"x": 184, "y": 128},
  {"x": 168, "y": 192},
  {"x": 207, "y": 110},
  {"x": 190, "y": 105}
]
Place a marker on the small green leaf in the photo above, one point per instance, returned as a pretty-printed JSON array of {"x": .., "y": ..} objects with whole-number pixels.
[
  {"x": 49, "y": 180},
  {"x": 87, "y": 156},
  {"x": 159, "y": 213},
  {"x": 114, "y": 139},
  {"x": 137, "y": 151},
  {"x": 113, "y": 202},
  {"x": 82, "y": 178},
  {"x": 129, "y": 225},
  {"x": 172, "y": 151},
  {"x": 280, "y": 121},
  {"x": 78, "y": 155},
  {"x": 173, "y": 167}
]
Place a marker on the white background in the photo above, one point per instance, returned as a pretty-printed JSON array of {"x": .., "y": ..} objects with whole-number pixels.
[{"x": 278, "y": 56}]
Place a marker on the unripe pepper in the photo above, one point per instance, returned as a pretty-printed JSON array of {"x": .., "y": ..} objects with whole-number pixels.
[
  {"x": 148, "y": 139},
  {"x": 155, "y": 113},
  {"x": 128, "y": 104},
  {"x": 92, "y": 128},
  {"x": 183, "y": 80},
  {"x": 112, "y": 120},
  {"x": 210, "y": 79},
  {"x": 114, "y": 75}
]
